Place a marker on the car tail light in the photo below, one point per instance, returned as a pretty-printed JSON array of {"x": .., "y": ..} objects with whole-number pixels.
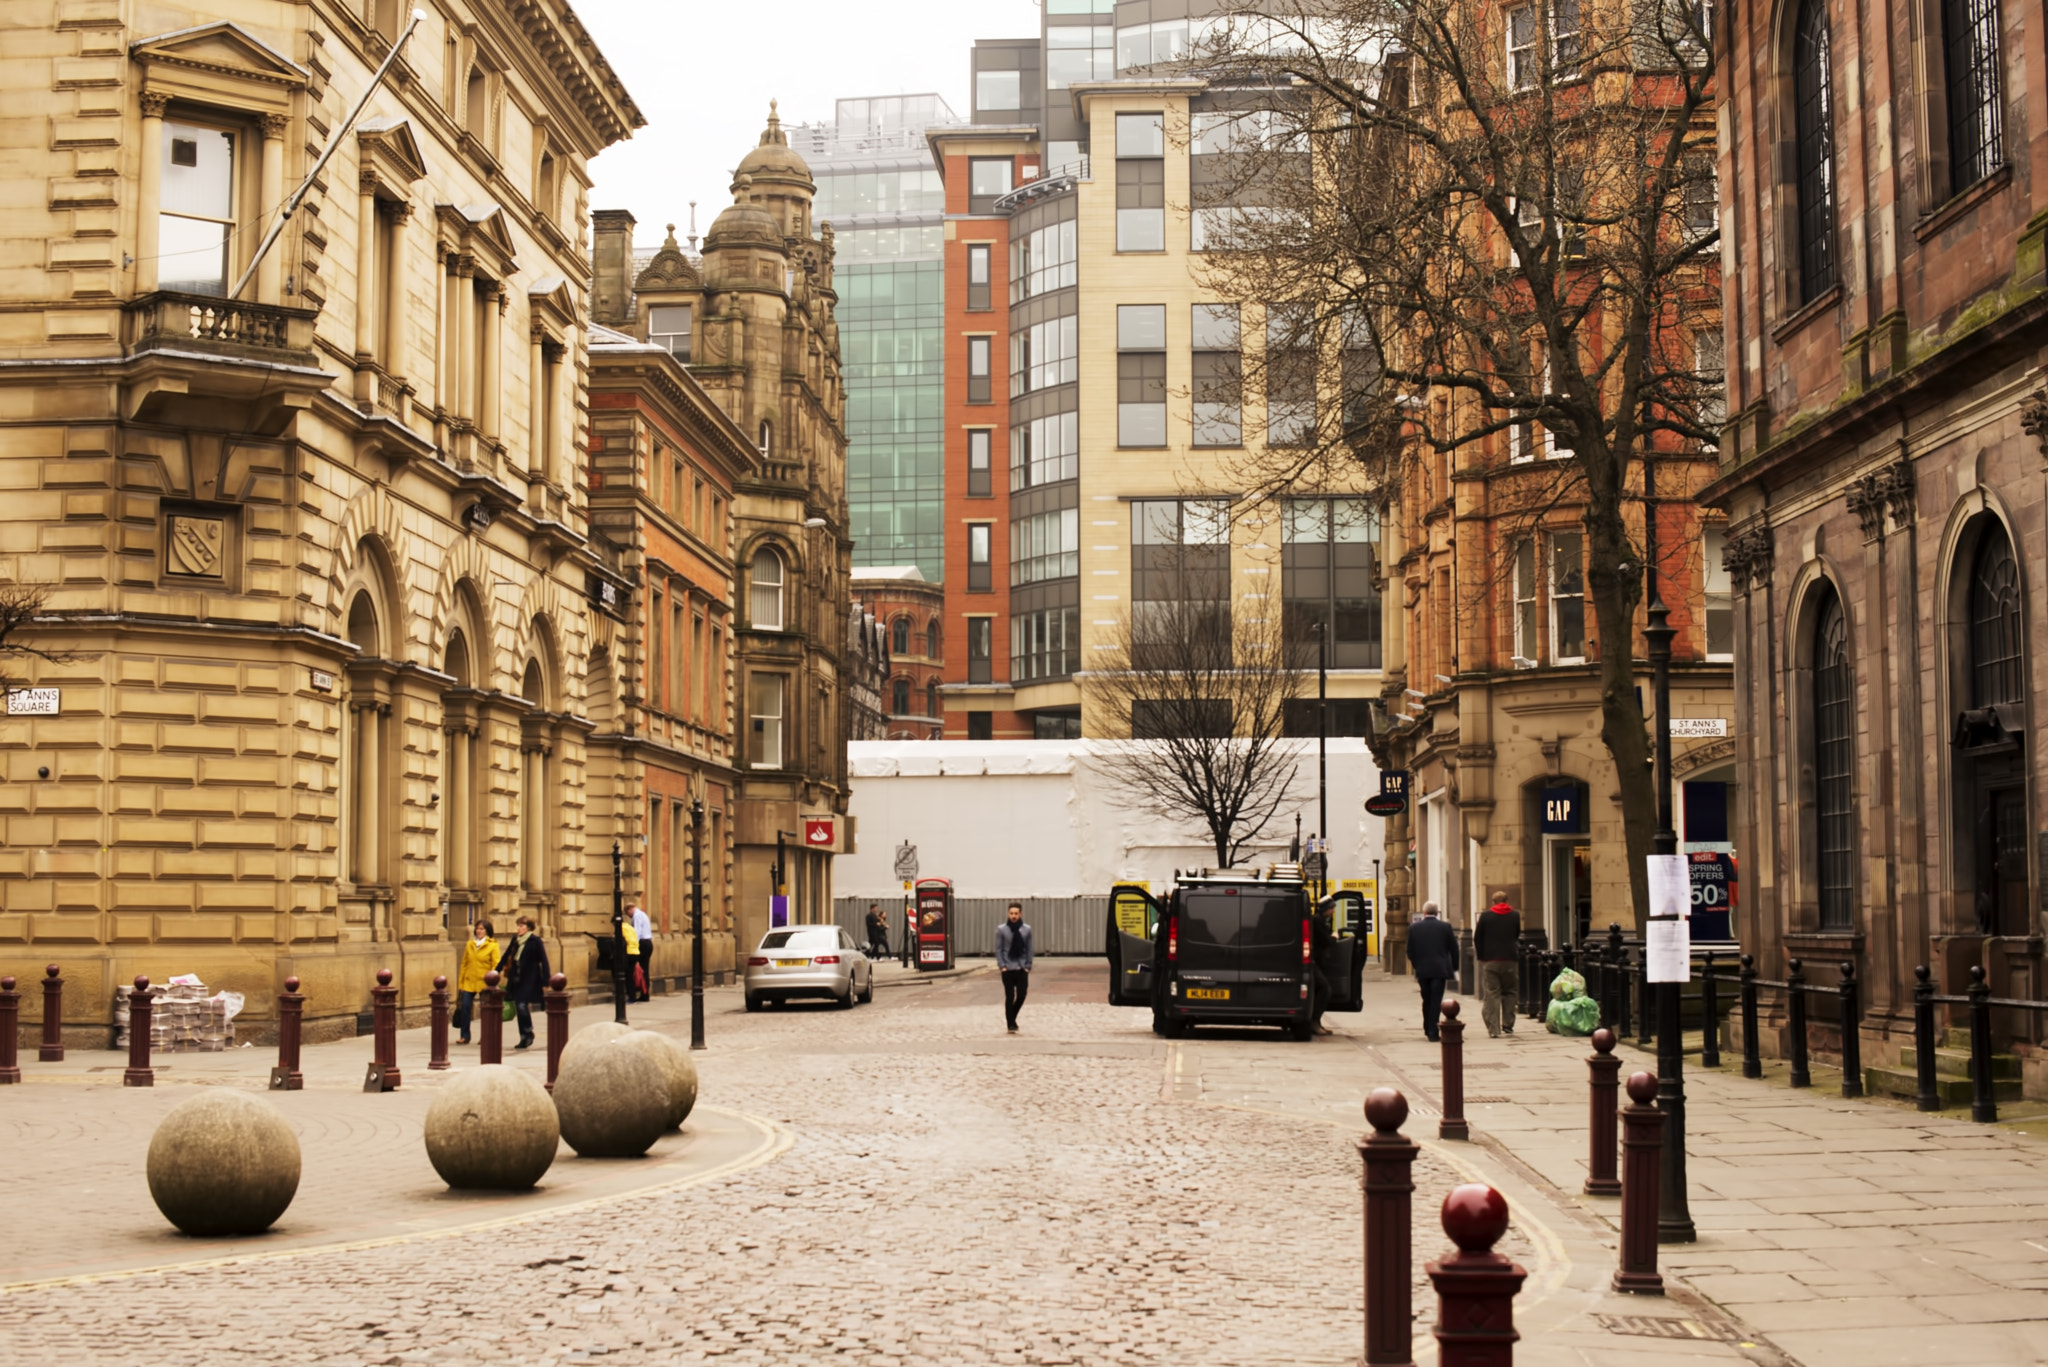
[
  {"x": 825, "y": 959},
  {"x": 757, "y": 961},
  {"x": 1304, "y": 942},
  {"x": 1173, "y": 937}
]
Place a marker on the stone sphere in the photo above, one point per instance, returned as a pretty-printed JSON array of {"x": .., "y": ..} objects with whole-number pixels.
[
  {"x": 676, "y": 1066},
  {"x": 604, "y": 1032},
  {"x": 613, "y": 1102},
  {"x": 223, "y": 1162},
  {"x": 492, "y": 1128}
]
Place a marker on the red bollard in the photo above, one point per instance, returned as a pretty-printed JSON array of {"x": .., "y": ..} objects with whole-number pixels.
[
  {"x": 1642, "y": 1140},
  {"x": 139, "y": 1073},
  {"x": 1452, "y": 1032},
  {"x": 558, "y": 1024},
  {"x": 53, "y": 1016},
  {"x": 291, "y": 1010},
  {"x": 1389, "y": 1252},
  {"x": 490, "y": 1044},
  {"x": 437, "y": 1027},
  {"x": 1606, "y": 1070},
  {"x": 10, "y": 1032},
  {"x": 384, "y": 1027},
  {"x": 1475, "y": 1287}
]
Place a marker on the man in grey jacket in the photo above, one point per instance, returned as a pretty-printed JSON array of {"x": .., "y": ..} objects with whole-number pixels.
[
  {"x": 1013, "y": 957},
  {"x": 1433, "y": 951}
]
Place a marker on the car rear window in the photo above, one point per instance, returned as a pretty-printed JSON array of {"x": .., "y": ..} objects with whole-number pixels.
[
  {"x": 800, "y": 939},
  {"x": 1241, "y": 919}
]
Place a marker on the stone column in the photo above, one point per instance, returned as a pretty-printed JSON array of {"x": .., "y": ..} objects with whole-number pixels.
[
  {"x": 394, "y": 294},
  {"x": 150, "y": 195},
  {"x": 537, "y": 402},
  {"x": 270, "y": 272},
  {"x": 464, "y": 366},
  {"x": 491, "y": 344},
  {"x": 369, "y": 778},
  {"x": 367, "y": 301}
]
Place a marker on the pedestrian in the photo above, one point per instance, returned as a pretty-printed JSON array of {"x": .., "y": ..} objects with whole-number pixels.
[
  {"x": 878, "y": 933},
  {"x": 1013, "y": 957},
  {"x": 1495, "y": 941},
  {"x": 525, "y": 976},
  {"x": 1433, "y": 953},
  {"x": 644, "y": 928},
  {"x": 479, "y": 956},
  {"x": 1324, "y": 940}
]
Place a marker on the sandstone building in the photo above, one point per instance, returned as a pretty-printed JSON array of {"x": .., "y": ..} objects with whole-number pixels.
[{"x": 323, "y": 534}]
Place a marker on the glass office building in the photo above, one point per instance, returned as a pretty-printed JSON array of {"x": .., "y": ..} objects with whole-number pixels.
[{"x": 882, "y": 195}]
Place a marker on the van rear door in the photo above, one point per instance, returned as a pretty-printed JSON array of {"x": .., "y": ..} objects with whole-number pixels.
[
  {"x": 1133, "y": 922},
  {"x": 1206, "y": 966},
  {"x": 1270, "y": 965}
]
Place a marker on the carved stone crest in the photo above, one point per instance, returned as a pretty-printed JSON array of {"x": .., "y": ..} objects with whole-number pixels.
[
  {"x": 2034, "y": 418},
  {"x": 196, "y": 546},
  {"x": 1747, "y": 556}
]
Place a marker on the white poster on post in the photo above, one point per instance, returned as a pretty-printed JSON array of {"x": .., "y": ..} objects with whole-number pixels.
[{"x": 1667, "y": 942}]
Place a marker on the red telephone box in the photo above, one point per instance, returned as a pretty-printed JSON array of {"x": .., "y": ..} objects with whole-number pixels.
[{"x": 934, "y": 923}]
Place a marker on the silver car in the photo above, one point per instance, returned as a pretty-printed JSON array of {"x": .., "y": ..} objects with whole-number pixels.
[{"x": 808, "y": 961}]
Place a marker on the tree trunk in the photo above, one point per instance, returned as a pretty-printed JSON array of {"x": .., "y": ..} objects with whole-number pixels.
[{"x": 1621, "y": 715}]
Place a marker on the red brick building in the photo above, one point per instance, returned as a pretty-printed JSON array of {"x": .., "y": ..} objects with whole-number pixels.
[
  {"x": 1884, "y": 469},
  {"x": 910, "y": 613},
  {"x": 979, "y": 164}
]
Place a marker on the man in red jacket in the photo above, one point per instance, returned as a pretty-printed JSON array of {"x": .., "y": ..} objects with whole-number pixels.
[{"x": 1496, "y": 940}]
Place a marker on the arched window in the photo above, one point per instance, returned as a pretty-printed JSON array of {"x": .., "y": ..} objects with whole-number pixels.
[
  {"x": 767, "y": 599},
  {"x": 899, "y": 701},
  {"x": 1996, "y": 675},
  {"x": 1834, "y": 757},
  {"x": 1976, "y": 123},
  {"x": 931, "y": 639},
  {"x": 767, "y": 440},
  {"x": 899, "y": 636},
  {"x": 1813, "y": 99}
]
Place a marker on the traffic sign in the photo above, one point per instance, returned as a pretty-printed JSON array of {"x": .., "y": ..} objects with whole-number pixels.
[
  {"x": 1312, "y": 865},
  {"x": 1387, "y": 804},
  {"x": 906, "y": 861}
]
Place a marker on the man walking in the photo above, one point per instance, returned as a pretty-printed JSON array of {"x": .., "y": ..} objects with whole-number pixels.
[
  {"x": 878, "y": 933},
  {"x": 1433, "y": 953},
  {"x": 644, "y": 928},
  {"x": 1013, "y": 957},
  {"x": 1495, "y": 942}
]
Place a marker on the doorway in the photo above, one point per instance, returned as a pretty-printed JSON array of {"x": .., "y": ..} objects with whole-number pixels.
[
  {"x": 2002, "y": 893},
  {"x": 1568, "y": 885}
]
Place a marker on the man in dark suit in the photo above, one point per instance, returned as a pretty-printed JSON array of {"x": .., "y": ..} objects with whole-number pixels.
[{"x": 1433, "y": 952}]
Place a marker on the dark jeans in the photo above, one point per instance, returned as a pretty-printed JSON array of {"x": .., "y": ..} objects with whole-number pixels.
[
  {"x": 525, "y": 1012},
  {"x": 1432, "y": 1003},
  {"x": 878, "y": 945},
  {"x": 1016, "y": 983},
  {"x": 646, "y": 969},
  {"x": 465, "y": 1011}
]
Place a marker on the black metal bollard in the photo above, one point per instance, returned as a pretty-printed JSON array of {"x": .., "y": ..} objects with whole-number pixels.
[
  {"x": 437, "y": 1026},
  {"x": 1523, "y": 973},
  {"x": 1710, "y": 1016},
  {"x": 1929, "y": 1098},
  {"x": 139, "y": 1072},
  {"x": 10, "y": 1032},
  {"x": 291, "y": 1011},
  {"x": 1646, "y": 999},
  {"x": 1795, "y": 1011},
  {"x": 1618, "y": 949},
  {"x": 1752, "y": 1054},
  {"x": 1983, "y": 1101},
  {"x": 1451, "y": 1035},
  {"x": 52, "y": 1050},
  {"x": 1852, "y": 1040}
]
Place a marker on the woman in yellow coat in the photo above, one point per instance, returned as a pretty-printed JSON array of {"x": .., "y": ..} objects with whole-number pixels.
[{"x": 479, "y": 956}]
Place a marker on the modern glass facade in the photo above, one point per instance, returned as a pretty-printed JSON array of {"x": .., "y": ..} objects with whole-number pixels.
[{"x": 878, "y": 189}]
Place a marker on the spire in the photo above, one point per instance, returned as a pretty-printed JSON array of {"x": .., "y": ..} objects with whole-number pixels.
[{"x": 773, "y": 133}]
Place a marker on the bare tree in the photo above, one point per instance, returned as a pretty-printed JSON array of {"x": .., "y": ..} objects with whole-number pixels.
[
  {"x": 1511, "y": 210},
  {"x": 21, "y": 607},
  {"x": 1202, "y": 700}
]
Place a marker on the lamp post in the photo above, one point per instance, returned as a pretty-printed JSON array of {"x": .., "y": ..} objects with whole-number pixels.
[
  {"x": 781, "y": 878},
  {"x": 1674, "y": 1218},
  {"x": 619, "y": 978},
  {"x": 1322, "y": 631},
  {"x": 696, "y": 923}
]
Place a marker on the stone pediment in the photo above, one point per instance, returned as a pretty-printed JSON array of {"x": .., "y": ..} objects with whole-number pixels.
[
  {"x": 670, "y": 270},
  {"x": 391, "y": 151},
  {"x": 480, "y": 231},
  {"x": 220, "y": 49},
  {"x": 549, "y": 298}
]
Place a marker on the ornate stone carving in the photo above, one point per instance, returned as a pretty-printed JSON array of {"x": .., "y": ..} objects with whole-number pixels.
[
  {"x": 669, "y": 270},
  {"x": 1875, "y": 494},
  {"x": 196, "y": 546},
  {"x": 275, "y": 125},
  {"x": 155, "y": 102},
  {"x": 1866, "y": 500},
  {"x": 2033, "y": 418},
  {"x": 1747, "y": 556},
  {"x": 1895, "y": 481}
]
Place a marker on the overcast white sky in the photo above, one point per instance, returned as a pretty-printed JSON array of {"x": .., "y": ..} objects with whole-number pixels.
[{"x": 703, "y": 72}]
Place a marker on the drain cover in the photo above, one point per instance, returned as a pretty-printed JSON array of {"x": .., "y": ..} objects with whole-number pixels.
[
  {"x": 1658, "y": 1327},
  {"x": 1486, "y": 1101}
]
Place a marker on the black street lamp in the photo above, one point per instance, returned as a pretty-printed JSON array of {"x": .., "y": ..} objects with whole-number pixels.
[
  {"x": 620, "y": 981},
  {"x": 1674, "y": 1218},
  {"x": 696, "y": 923},
  {"x": 1322, "y": 631}
]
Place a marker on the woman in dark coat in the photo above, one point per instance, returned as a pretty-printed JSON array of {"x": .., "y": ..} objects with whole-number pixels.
[{"x": 525, "y": 975}]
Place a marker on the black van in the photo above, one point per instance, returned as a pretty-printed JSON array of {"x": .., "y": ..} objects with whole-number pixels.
[{"x": 1228, "y": 947}]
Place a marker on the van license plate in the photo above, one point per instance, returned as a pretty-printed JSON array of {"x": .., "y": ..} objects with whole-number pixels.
[
  {"x": 1209, "y": 994},
  {"x": 792, "y": 963}
]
